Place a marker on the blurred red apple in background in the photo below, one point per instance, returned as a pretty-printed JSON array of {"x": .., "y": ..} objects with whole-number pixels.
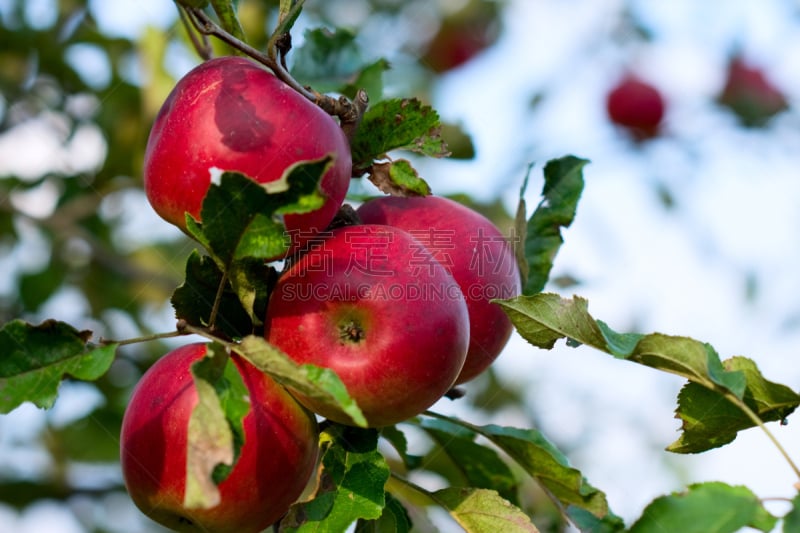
[
  {"x": 462, "y": 36},
  {"x": 750, "y": 94},
  {"x": 637, "y": 106}
]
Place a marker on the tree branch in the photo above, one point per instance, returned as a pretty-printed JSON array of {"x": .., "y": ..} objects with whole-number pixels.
[{"x": 349, "y": 113}]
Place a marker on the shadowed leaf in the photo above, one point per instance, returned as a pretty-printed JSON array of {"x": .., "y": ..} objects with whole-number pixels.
[{"x": 34, "y": 360}]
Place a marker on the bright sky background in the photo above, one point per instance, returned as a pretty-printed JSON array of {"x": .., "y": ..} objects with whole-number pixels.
[{"x": 682, "y": 271}]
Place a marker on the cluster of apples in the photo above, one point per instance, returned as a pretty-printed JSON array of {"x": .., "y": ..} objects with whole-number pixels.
[
  {"x": 397, "y": 303},
  {"x": 638, "y": 106}
]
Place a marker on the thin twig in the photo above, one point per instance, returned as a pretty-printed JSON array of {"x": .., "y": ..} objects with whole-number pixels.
[
  {"x": 349, "y": 113},
  {"x": 144, "y": 338},
  {"x": 186, "y": 328},
  {"x": 760, "y": 423},
  {"x": 203, "y": 48},
  {"x": 207, "y": 26}
]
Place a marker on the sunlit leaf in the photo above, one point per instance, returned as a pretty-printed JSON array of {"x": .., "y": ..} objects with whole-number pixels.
[
  {"x": 398, "y": 178},
  {"x": 239, "y": 214},
  {"x": 397, "y": 124},
  {"x": 483, "y": 511},
  {"x": 543, "y": 319},
  {"x": 351, "y": 486},
  {"x": 320, "y": 384}
]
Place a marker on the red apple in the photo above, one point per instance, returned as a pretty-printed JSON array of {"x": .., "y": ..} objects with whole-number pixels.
[
  {"x": 462, "y": 36},
  {"x": 637, "y": 106},
  {"x": 474, "y": 251},
  {"x": 750, "y": 94},
  {"x": 230, "y": 114},
  {"x": 371, "y": 303},
  {"x": 276, "y": 461}
]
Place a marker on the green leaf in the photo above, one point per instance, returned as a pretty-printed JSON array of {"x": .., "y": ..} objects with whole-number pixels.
[
  {"x": 351, "y": 486},
  {"x": 194, "y": 299},
  {"x": 34, "y": 360},
  {"x": 226, "y": 12},
  {"x": 551, "y": 469},
  {"x": 543, "y": 318},
  {"x": 393, "y": 519},
  {"x": 320, "y": 384},
  {"x": 398, "y": 440},
  {"x": 469, "y": 464},
  {"x": 397, "y": 124},
  {"x": 705, "y": 507},
  {"x": 288, "y": 12},
  {"x": 398, "y": 178},
  {"x": 483, "y": 511},
  {"x": 239, "y": 214},
  {"x": 791, "y": 522},
  {"x": 563, "y": 185},
  {"x": 369, "y": 79},
  {"x": 332, "y": 61},
  {"x": 459, "y": 142},
  {"x": 541, "y": 460},
  {"x": 251, "y": 280},
  {"x": 710, "y": 420}
]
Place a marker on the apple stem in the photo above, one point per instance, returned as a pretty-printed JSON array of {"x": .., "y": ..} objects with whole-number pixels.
[
  {"x": 201, "y": 45},
  {"x": 348, "y": 112}
]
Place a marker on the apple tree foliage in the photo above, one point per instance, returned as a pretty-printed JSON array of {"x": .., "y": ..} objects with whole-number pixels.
[{"x": 218, "y": 284}]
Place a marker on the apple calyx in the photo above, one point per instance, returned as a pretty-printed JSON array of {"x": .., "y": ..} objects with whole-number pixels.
[{"x": 351, "y": 332}]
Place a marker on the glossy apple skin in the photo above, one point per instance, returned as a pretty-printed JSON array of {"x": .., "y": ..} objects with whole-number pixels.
[
  {"x": 637, "y": 106},
  {"x": 276, "y": 461},
  {"x": 474, "y": 251},
  {"x": 373, "y": 304},
  {"x": 230, "y": 114},
  {"x": 750, "y": 94}
]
